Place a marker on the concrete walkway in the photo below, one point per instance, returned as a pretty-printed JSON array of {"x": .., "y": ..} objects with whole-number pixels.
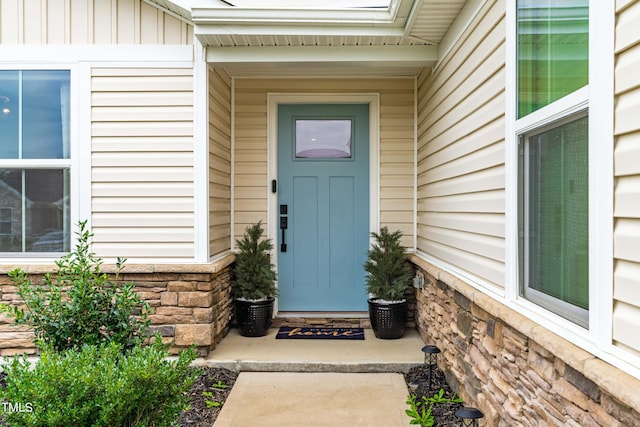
[
  {"x": 327, "y": 399},
  {"x": 289, "y": 383}
]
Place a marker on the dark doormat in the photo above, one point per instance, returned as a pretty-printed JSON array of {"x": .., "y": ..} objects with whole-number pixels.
[{"x": 289, "y": 332}]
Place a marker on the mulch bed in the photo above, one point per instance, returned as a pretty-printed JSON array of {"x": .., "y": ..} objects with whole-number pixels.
[
  {"x": 203, "y": 414},
  {"x": 444, "y": 414}
]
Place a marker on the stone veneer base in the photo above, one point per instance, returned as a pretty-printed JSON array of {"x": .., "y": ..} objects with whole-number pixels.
[
  {"x": 514, "y": 370},
  {"x": 191, "y": 302}
]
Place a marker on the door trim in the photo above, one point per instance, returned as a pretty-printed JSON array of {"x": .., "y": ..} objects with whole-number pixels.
[{"x": 273, "y": 100}]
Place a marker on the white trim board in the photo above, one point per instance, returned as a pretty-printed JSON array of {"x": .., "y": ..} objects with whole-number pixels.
[
  {"x": 202, "y": 238},
  {"x": 29, "y": 54}
]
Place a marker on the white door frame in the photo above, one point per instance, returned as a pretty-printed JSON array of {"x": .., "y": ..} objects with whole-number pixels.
[{"x": 273, "y": 100}]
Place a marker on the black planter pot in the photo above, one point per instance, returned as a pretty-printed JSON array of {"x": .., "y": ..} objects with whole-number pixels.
[
  {"x": 388, "y": 320},
  {"x": 254, "y": 317}
]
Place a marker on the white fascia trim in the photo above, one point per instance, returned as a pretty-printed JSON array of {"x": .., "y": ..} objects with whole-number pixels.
[
  {"x": 392, "y": 55},
  {"x": 296, "y": 30},
  {"x": 28, "y": 54},
  {"x": 286, "y": 16},
  {"x": 390, "y": 22},
  {"x": 182, "y": 11},
  {"x": 464, "y": 19},
  {"x": 182, "y": 4}
]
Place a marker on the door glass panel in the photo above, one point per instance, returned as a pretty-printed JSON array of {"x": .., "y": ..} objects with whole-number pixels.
[{"x": 323, "y": 139}]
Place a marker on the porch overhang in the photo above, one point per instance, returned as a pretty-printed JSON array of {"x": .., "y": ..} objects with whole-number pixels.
[
  {"x": 311, "y": 37},
  {"x": 318, "y": 18},
  {"x": 294, "y": 60}
]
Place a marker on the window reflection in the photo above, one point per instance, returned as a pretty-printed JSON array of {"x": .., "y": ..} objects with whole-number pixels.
[
  {"x": 34, "y": 207},
  {"x": 34, "y": 114},
  {"x": 323, "y": 139}
]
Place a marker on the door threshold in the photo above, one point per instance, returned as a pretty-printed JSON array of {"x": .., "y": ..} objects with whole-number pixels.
[{"x": 324, "y": 314}]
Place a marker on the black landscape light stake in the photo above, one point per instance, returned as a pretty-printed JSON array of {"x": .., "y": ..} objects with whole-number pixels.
[
  {"x": 430, "y": 359},
  {"x": 469, "y": 416}
]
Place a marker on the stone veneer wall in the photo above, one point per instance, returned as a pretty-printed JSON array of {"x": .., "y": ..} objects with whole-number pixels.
[
  {"x": 514, "y": 370},
  {"x": 192, "y": 304}
]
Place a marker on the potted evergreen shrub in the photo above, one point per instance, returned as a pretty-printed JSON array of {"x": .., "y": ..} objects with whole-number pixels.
[
  {"x": 389, "y": 276},
  {"x": 254, "y": 285}
]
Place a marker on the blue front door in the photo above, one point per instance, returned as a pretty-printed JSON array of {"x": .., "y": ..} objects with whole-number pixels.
[{"x": 323, "y": 174}]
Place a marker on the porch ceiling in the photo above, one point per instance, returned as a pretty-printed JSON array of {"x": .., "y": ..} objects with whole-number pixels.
[{"x": 397, "y": 40}]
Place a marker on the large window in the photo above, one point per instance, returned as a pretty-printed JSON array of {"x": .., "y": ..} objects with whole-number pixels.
[
  {"x": 555, "y": 217},
  {"x": 553, "y": 51},
  {"x": 552, "y": 65},
  {"x": 34, "y": 161}
]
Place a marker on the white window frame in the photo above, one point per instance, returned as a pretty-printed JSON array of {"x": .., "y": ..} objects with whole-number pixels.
[
  {"x": 597, "y": 97},
  {"x": 69, "y": 163},
  {"x": 569, "y": 311},
  {"x": 80, "y": 60}
]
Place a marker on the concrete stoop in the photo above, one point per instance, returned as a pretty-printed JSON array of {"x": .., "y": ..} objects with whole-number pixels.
[{"x": 268, "y": 354}]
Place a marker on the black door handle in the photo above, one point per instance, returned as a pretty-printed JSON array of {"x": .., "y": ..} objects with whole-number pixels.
[{"x": 284, "y": 224}]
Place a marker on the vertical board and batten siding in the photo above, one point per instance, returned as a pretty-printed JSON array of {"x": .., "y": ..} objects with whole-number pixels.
[
  {"x": 89, "y": 22},
  {"x": 626, "y": 289},
  {"x": 142, "y": 162},
  {"x": 461, "y": 177},
  {"x": 396, "y": 144},
  {"x": 219, "y": 161}
]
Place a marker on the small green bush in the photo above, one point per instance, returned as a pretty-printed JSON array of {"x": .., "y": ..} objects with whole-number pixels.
[
  {"x": 255, "y": 277},
  {"x": 99, "y": 386},
  {"x": 421, "y": 412},
  {"x": 389, "y": 275},
  {"x": 79, "y": 304}
]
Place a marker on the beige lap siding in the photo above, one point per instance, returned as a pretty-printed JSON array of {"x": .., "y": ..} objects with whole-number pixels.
[
  {"x": 219, "y": 161},
  {"x": 626, "y": 288},
  {"x": 142, "y": 179},
  {"x": 461, "y": 191}
]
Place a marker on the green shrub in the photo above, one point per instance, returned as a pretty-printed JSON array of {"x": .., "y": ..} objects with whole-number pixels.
[
  {"x": 389, "y": 275},
  {"x": 255, "y": 277},
  {"x": 79, "y": 304},
  {"x": 99, "y": 386}
]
